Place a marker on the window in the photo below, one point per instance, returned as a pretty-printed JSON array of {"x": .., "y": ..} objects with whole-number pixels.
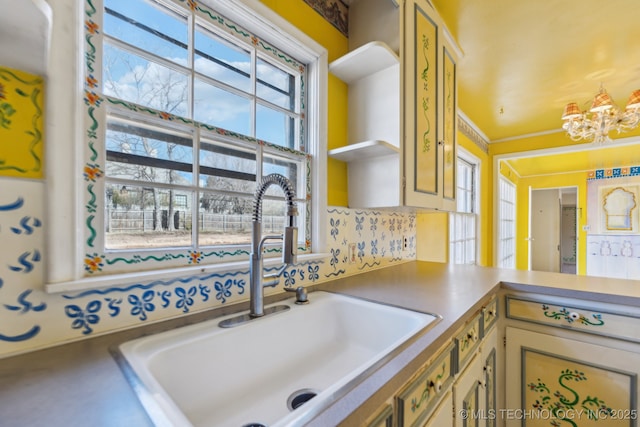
[
  {"x": 507, "y": 224},
  {"x": 184, "y": 109},
  {"x": 462, "y": 223},
  {"x": 188, "y": 102}
]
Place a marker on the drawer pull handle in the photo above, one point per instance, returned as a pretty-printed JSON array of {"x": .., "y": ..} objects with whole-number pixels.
[
  {"x": 489, "y": 311},
  {"x": 572, "y": 316},
  {"x": 436, "y": 386},
  {"x": 472, "y": 335}
]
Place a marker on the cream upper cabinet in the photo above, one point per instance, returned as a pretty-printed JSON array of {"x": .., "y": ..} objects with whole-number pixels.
[
  {"x": 402, "y": 106},
  {"x": 429, "y": 109}
]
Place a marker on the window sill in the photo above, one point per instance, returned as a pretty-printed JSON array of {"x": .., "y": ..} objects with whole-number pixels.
[{"x": 148, "y": 276}]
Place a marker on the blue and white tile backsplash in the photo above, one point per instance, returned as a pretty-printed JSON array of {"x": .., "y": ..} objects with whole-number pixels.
[{"x": 357, "y": 241}]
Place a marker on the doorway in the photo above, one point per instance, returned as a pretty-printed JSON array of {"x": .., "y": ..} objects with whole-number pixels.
[{"x": 553, "y": 230}]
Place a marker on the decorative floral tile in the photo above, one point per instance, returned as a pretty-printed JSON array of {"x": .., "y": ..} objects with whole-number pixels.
[{"x": 358, "y": 240}]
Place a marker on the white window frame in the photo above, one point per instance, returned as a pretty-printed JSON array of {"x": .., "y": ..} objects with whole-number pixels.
[
  {"x": 65, "y": 136},
  {"x": 506, "y": 236},
  {"x": 454, "y": 217}
]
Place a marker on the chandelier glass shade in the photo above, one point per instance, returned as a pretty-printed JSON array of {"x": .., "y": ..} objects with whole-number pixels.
[{"x": 603, "y": 117}]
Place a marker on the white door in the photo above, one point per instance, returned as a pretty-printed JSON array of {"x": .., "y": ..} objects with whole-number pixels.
[{"x": 544, "y": 230}]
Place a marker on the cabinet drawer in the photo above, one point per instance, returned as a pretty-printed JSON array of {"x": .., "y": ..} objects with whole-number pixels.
[
  {"x": 578, "y": 317},
  {"x": 467, "y": 341},
  {"x": 489, "y": 316},
  {"x": 419, "y": 396}
]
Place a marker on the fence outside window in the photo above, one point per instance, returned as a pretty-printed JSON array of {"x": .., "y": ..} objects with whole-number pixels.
[{"x": 138, "y": 221}]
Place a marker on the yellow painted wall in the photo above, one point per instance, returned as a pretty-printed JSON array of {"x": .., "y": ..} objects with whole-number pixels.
[
  {"x": 305, "y": 18},
  {"x": 509, "y": 173},
  {"x": 21, "y": 123},
  {"x": 432, "y": 232}
]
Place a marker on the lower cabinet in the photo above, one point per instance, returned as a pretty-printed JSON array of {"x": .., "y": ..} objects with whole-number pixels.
[
  {"x": 441, "y": 416},
  {"x": 382, "y": 418},
  {"x": 571, "y": 362},
  {"x": 548, "y": 362},
  {"x": 457, "y": 387},
  {"x": 489, "y": 398},
  {"x": 474, "y": 391},
  {"x": 417, "y": 399},
  {"x": 559, "y": 381},
  {"x": 466, "y": 394}
]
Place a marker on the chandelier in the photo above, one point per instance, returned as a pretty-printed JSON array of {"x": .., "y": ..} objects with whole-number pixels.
[{"x": 603, "y": 117}]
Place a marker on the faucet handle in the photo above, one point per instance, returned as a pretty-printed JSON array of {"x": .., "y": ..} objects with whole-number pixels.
[
  {"x": 290, "y": 245},
  {"x": 301, "y": 294}
]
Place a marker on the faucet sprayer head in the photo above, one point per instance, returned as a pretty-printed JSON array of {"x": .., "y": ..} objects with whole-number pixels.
[
  {"x": 290, "y": 236},
  {"x": 290, "y": 245},
  {"x": 284, "y": 184}
]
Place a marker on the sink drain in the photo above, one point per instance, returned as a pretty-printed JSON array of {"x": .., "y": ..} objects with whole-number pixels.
[{"x": 300, "y": 397}]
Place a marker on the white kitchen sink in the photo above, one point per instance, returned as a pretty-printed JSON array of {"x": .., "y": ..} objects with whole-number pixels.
[{"x": 255, "y": 373}]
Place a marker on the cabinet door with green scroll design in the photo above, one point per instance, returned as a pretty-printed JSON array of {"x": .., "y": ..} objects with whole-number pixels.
[
  {"x": 429, "y": 99},
  {"x": 449, "y": 116},
  {"x": 557, "y": 382},
  {"x": 488, "y": 395},
  {"x": 422, "y": 56}
]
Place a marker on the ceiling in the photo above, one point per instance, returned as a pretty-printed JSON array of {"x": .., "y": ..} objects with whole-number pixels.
[{"x": 524, "y": 60}]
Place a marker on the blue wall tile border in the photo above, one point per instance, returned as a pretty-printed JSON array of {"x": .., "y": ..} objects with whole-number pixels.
[
  {"x": 22, "y": 337},
  {"x": 153, "y": 284},
  {"x": 609, "y": 173}
]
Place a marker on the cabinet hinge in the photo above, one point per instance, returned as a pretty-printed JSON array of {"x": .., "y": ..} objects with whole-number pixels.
[{"x": 504, "y": 341}]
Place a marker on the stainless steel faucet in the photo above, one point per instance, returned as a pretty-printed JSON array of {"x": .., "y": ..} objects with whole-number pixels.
[{"x": 257, "y": 279}]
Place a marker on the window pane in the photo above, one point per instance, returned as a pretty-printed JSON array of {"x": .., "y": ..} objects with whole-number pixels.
[
  {"x": 457, "y": 253},
  {"x": 275, "y": 127},
  {"x": 146, "y": 217},
  {"x": 148, "y": 26},
  {"x": 224, "y": 219},
  {"x": 506, "y": 241},
  {"x": 135, "y": 79},
  {"x": 470, "y": 227},
  {"x": 224, "y": 167},
  {"x": 275, "y": 86},
  {"x": 143, "y": 154},
  {"x": 300, "y": 222},
  {"x": 465, "y": 186},
  {"x": 292, "y": 169},
  {"x": 221, "y": 61},
  {"x": 217, "y": 107}
]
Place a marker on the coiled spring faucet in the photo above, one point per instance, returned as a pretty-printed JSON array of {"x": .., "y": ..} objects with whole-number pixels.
[{"x": 257, "y": 279}]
